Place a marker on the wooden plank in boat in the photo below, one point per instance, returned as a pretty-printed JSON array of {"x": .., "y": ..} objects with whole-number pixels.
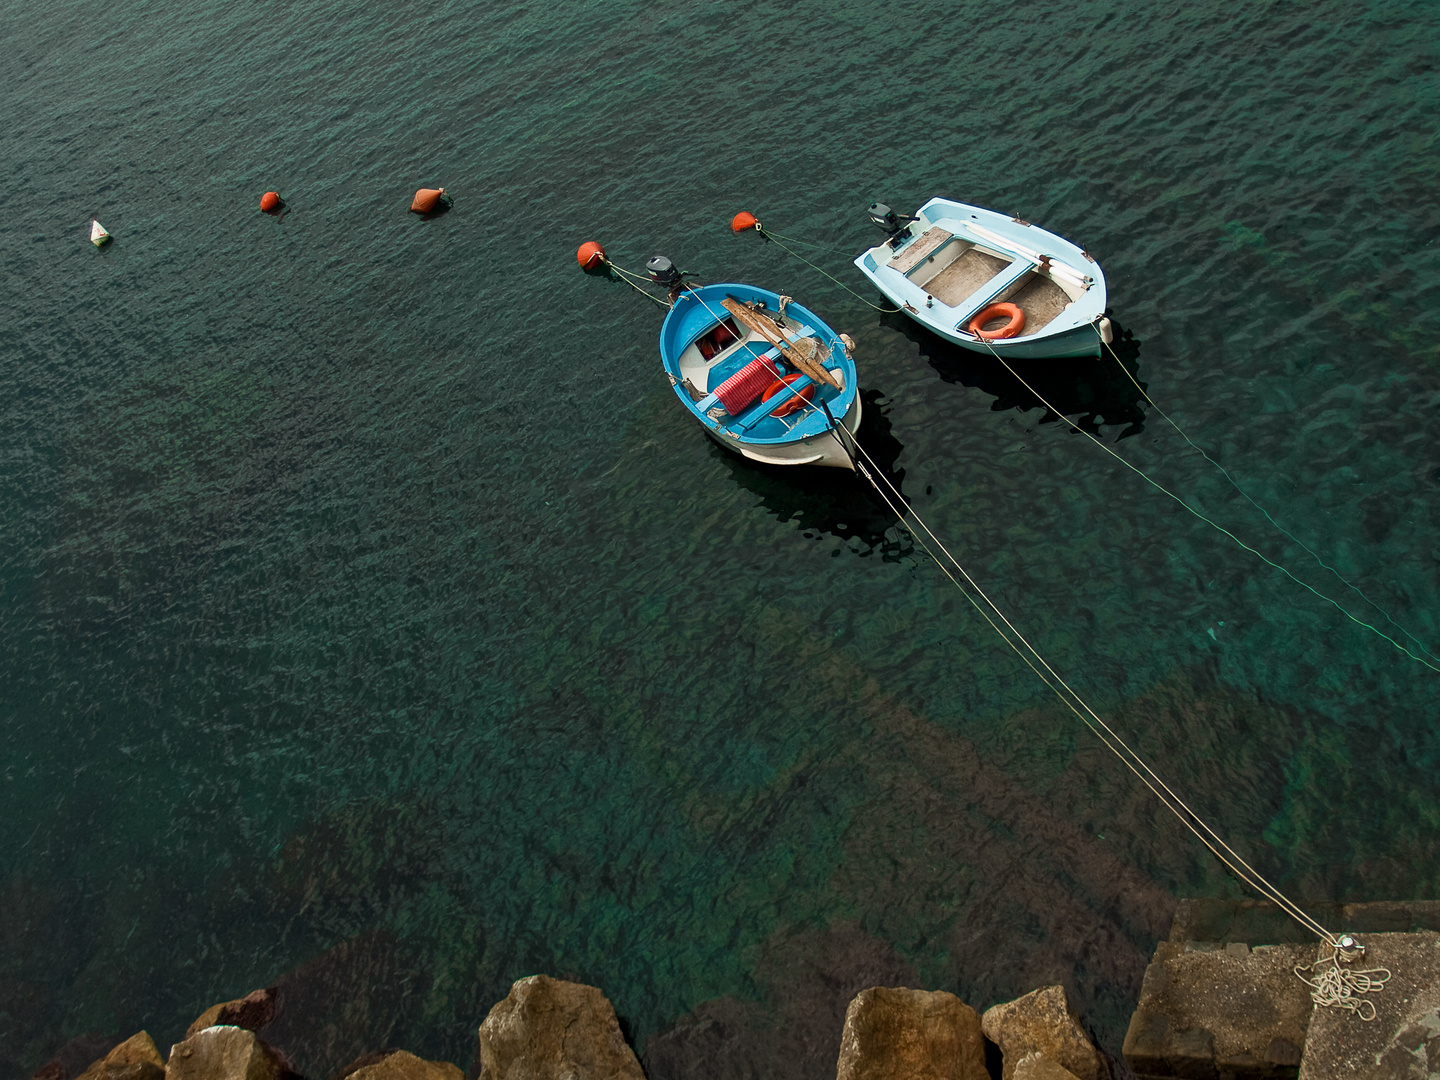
[
  {"x": 927, "y": 242},
  {"x": 771, "y": 333}
]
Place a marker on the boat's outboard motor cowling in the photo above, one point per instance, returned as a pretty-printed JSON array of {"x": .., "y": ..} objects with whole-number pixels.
[
  {"x": 663, "y": 272},
  {"x": 895, "y": 225}
]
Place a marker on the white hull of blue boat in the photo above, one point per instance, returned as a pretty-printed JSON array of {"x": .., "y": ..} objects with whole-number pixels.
[
  {"x": 823, "y": 449},
  {"x": 708, "y": 350},
  {"x": 954, "y": 261}
]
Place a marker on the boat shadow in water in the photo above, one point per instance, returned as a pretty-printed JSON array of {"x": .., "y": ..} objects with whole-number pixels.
[
  {"x": 837, "y": 502},
  {"x": 1093, "y": 392}
]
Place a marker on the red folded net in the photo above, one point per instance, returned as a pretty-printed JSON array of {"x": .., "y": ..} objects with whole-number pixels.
[{"x": 747, "y": 384}]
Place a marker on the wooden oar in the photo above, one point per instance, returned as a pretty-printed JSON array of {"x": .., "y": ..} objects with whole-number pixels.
[{"x": 771, "y": 333}]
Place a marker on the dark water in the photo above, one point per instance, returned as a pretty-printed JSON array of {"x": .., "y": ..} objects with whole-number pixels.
[{"x": 372, "y": 614}]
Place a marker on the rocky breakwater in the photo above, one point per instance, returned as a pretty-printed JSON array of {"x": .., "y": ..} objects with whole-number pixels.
[{"x": 551, "y": 1029}]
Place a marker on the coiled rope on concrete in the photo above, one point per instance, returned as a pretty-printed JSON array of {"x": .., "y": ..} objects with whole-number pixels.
[{"x": 1335, "y": 985}]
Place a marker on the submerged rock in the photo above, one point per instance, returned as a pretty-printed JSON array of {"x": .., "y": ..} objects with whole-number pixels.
[
  {"x": 403, "y": 1065},
  {"x": 547, "y": 1029},
  {"x": 70, "y": 1060},
  {"x": 225, "y": 1053},
  {"x": 900, "y": 1034},
  {"x": 346, "y": 1000},
  {"x": 1042, "y": 1022},
  {"x": 137, "y": 1058}
]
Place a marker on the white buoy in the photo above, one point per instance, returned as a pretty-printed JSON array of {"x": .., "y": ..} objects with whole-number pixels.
[{"x": 98, "y": 235}]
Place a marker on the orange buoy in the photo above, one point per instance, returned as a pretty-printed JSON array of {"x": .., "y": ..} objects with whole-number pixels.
[
  {"x": 591, "y": 255},
  {"x": 426, "y": 200},
  {"x": 1015, "y": 322},
  {"x": 742, "y": 221}
]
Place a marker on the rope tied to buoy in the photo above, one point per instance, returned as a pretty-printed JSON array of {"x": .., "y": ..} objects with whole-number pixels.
[{"x": 745, "y": 222}]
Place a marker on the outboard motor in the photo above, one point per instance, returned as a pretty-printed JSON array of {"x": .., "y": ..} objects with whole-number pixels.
[
  {"x": 663, "y": 272},
  {"x": 895, "y": 225}
]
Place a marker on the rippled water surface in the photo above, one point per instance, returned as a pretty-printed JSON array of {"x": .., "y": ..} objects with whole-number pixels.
[{"x": 373, "y": 617}]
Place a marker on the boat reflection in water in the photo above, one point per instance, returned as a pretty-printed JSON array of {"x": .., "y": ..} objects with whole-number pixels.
[
  {"x": 1093, "y": 393},
  {"x": 836, "y": 503}
]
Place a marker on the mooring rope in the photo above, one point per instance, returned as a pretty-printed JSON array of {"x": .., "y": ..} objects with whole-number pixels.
[
  {"x": 1072, "y": 699},
  {"x": 1209, "y": 521},
  {"x": 1235, "y": 484},
  {"x": 626, "y": 275},
  {"x": 1333, "y": 985},
  {"x": 776, "y": 240}
]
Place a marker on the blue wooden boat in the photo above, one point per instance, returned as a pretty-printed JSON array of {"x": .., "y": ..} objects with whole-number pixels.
[
  {"x": 990, "y": 282},
  {"x": 757, "y": 371}
]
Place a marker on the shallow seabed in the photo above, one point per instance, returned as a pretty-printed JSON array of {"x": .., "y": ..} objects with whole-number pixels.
[{"x": 371, "y": 608}]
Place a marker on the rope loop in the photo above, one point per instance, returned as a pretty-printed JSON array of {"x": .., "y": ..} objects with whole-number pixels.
[{"x": 1334, "y": 985}]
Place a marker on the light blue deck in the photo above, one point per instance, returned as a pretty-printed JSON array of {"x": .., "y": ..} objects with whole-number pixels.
[{"x": 1072, "y": 333}]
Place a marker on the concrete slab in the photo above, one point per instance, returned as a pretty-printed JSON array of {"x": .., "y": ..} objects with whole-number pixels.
[
  {"x": 1403, "y": 1041},
  {"x": 1235, "y": 1012},
  {"x": 1260, "y": 922}
]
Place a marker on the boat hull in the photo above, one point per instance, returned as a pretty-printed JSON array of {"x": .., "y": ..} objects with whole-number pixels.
[
  {"x": 956, "y": 260},
  {"x": 825, "y": 450},
  {"x": 797, "y": 431}
]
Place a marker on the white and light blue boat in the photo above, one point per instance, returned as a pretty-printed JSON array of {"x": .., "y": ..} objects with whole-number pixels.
[
  {"x": 990, "y": 282},
  {"x": 763, "y": 375}
]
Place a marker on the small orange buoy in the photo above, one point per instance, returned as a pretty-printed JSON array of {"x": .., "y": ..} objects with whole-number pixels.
[
  {"x": 426, "y": 200},
  {"x": 591, "y": 255},
  {"x": 742, "y": 221},
  {"x": 271, "y": 201}
]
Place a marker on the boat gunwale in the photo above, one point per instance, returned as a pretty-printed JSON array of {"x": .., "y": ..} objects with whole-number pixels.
[{"x": 813, "y": 423}]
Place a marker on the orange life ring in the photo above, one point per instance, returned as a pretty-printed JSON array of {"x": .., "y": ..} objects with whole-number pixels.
[
  {"x": 797, "y": 399},
  {"x": 996, "y": 311}
]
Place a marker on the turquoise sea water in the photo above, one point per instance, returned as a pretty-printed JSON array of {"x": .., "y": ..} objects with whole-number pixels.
[{"x": 371, "y": 611}]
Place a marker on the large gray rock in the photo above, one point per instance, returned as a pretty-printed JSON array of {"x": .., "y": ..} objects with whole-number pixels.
[
  {"x": 1042, "y": 1022},
  {"x": 546, "y": 1029},
  {"x": 403, "y": 1065},
  {"x": 899, "y": 1034},
  {"x": 137, "y": 1058},
  {"x": 224, "y": 1053}
]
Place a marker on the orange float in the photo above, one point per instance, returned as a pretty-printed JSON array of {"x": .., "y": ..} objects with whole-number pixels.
[
  {"x": 426, "y": 200},
  {"x": 742, "y": 221},
  {"x": 1015, "y": 322},
  {"x": 271, "y": 201},
  {"x": 591, "y": 255},
  {"x": 796, "y": 400}
]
